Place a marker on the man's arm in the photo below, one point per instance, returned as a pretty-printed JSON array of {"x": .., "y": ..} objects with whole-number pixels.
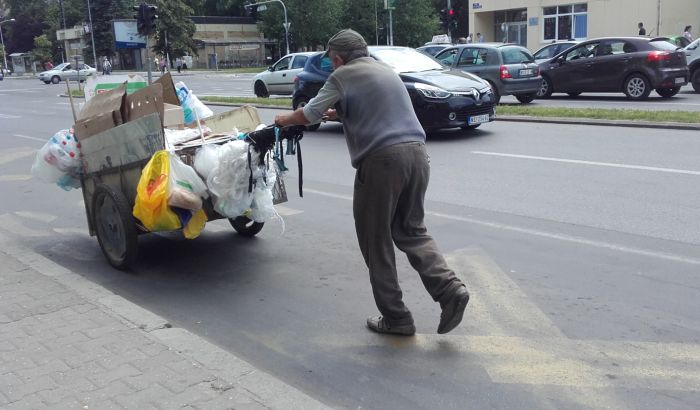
[{"x": 314, "y": 111}]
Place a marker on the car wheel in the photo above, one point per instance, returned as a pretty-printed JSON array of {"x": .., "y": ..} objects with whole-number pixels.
[
  {"x": 55, "y": 79},
  {"x": 668, "y": 92},
  {"x": 496, "y": 95},
  {"x": 576, "y": 94},
  {"x": 261, "y": 90},
  {"x": 525, "y": 98},
  {"x": 637, "y": 87},
  {"x": 695, "y": 80},
  {"x": 300, "y": 102},
  {"x": 546, "y": 88}
]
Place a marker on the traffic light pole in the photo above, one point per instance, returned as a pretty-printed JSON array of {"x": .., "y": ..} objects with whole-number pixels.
[
  {"x": 286, "y": 24},
  {"x": 449, "y": 7}
]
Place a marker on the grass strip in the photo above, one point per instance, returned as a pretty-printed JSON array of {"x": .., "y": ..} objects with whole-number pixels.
[
  {"x": 77, "y": 93},
  {"x": 525, "y": 110},
  {"x": 601, "y": 114}
]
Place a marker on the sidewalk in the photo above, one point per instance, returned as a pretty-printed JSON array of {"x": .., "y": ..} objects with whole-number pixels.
[{"x": 66, "y": 342}]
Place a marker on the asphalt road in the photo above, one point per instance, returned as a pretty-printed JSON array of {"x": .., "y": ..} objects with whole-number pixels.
[
  {"x": 580, "y": 245},
  {"x": 241, "y": 85}
]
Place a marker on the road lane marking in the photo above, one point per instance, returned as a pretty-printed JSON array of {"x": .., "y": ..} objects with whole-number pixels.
[
  {"x": 11, "y": 156},
  {"x": 10, "y": 223},
  {"x": 31, "y": 138},
  {"x": 9, "y": 117},
  {"x": 543, "y": 234},
  {"x": 72, "y": 231},
  {"x": 14, "y": 178},
  {"x": 37, "y": 216},
  {"x": 576, "y": 161},
  {"x": 286, "y": 211}
]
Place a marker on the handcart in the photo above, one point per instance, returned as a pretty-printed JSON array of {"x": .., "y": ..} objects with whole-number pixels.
[{"x": 112, "y": 165}]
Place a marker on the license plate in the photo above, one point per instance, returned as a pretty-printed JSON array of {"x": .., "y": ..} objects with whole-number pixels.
[
  {"x": 680, "y": 80},
  {"x": 478, "y": 119},
  {"x": 526, "y": 72}
]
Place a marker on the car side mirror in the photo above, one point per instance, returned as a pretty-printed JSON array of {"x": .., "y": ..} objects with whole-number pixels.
[{"x": 269, "y": 68}]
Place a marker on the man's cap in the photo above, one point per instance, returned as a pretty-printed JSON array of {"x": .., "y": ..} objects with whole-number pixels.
[{"x": 345, "y": 40}]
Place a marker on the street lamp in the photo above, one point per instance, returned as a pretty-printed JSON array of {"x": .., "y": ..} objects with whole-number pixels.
[{"x": 2, "y": 40}]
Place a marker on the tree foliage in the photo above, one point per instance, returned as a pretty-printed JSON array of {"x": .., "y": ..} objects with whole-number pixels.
[
  {"x": 174, "y": 28},
  {"x": 42, "y": 49}
]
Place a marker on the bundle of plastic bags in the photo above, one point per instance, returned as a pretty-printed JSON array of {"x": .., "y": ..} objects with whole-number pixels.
[
  {"x": 191, "y": 104},
  {"x": 58, "y": 161},
  {"x": 227, "y": 171},
  {"x": 169, "y": 196}
]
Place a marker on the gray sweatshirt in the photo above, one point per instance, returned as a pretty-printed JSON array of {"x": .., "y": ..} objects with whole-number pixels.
[{"x": 373, "y": 104}]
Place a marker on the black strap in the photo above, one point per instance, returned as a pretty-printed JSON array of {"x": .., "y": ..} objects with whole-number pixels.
[{"x": 301, "y": 167}]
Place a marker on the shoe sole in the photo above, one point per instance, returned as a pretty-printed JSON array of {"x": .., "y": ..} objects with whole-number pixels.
[
  {"x": 461, "y": 307},
  {"x": 409, "y": 332}
]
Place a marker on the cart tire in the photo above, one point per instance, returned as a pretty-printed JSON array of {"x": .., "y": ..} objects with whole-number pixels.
[
  {"x": 245, "y": 226},
  {"x": 115, "y": 227}
]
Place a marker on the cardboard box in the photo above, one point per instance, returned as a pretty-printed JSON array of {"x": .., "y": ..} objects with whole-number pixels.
[
  {"x": 169, "y": 92},
  {"x": 144, "y": 102},
  {"x": 95, "y": 125},
  {"x": 102, "y": 112},
  {"x": 173, "y": 116}
]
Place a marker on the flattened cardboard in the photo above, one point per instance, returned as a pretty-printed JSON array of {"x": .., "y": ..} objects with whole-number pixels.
[
  {"x": 169, "y": 93},
  {"x": 109, "y": 102},
  {"x": 95, "y": 125},
  {"x": 144, "y": 102},
  {"x": 173, "y": 116},
  {"x": 245, "y": 119}
]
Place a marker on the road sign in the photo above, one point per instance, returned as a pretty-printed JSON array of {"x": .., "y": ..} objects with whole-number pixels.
[{"x": 389, "y": 4}]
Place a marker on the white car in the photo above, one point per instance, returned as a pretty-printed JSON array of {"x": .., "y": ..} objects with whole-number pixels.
[
  {"x": 692, "y": 54},
  {"x": 279, "y": 78},
  {"x": 65, "y": 71}
]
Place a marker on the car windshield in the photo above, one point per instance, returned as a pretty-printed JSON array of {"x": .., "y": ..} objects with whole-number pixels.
[
  {"x": 516, "y": 55},
  {"x": 405, "y": 60},
  {"x": 62, "y": 66}
]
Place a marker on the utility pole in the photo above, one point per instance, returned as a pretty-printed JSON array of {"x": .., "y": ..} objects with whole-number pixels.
[
  {"x": 449, "y": 19},
  {"x": 92, "y": 36},
  {"x": 63, "y": 16}
]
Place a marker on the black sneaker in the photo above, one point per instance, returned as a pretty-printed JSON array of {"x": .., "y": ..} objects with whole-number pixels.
[
  {"x": 378, "y": 324},
  {"x": 453, "y": 310}
]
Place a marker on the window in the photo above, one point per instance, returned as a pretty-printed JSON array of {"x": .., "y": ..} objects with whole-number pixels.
[
  {"x": 516, "y": 55},
  {"x": 584, "y": 51},
  {"x": 447, "y": 57},
  {"x": 283, "y": 64},
  {"x": 299, "y": 62},
  {"x": 565, "y": 22}
]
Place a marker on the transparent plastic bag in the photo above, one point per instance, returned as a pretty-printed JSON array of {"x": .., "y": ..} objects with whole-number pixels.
[
  {"x": 228, "y": 181},
  {"x": 190, "y": 103},
  {"x": 186, "y": 188},
  {"x": 206, "y": 159},
  {"x": 58, "y": 161}
]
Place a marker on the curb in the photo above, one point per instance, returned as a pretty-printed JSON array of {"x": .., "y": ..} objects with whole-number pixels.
[{"x": 265, "y": 388}]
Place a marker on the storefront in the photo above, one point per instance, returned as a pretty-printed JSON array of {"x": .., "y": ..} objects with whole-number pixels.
[{"x": 534, "y": 23}]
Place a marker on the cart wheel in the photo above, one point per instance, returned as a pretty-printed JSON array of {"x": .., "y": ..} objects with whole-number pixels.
[
  {"x": 116, "y": 230},
  {"x": 245, "y": 226}
]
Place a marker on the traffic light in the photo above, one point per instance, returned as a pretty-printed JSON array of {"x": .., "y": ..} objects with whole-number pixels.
[
  {"x": 146, "y": 18},
  {"x": 251, "y": 10},
  {"x": 444, "y": 19},
  {"x": 452, "y": 20}
]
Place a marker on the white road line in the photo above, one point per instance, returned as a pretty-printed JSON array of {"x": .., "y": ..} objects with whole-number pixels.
[
  {"x": 14, "y": 178},
  {"x": 37, "y": 216},
  {"x": 602, "y": 164},
  {"x": 9, "y": 117},
  {"x": 31, "y": 138},
  {"x": 7, "y": 157},
  {"x": 543, "y": 234},
  {"x": 20, "y": 89}
]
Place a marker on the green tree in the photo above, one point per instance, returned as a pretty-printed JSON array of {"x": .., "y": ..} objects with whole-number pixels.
[
  {"x": 312, "y": 22},
  {"x": 103, "y": 13},
  {"x": 30, "y": 17},
  {"x": 174, "y": 27},
  {"x": 408, "y": 29},
  {"x": 42, "y": 49}
]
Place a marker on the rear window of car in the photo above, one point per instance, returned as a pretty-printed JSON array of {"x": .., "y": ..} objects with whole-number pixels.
[
  {"x": 516, "y": 55},
  {"x": 299, "y": 62},
  {"x": 663, "y": 45}
]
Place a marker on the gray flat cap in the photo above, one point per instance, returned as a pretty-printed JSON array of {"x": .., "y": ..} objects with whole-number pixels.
[{"x": 346, "y": 40}]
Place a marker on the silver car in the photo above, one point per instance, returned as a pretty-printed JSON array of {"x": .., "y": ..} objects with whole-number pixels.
[
  {"x": 279, "y": 78},
  {"x": 66, "y": 71}
]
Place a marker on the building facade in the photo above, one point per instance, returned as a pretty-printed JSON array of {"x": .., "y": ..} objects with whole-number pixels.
[
  {"x": 535, "y": 23},
  {"x": 226, "y": 42}
]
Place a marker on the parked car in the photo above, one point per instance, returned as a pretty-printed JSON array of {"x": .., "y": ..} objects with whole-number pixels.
[
  {"x": 550, "y": 50},
  {"x": 279, "y": 78},
  {"x": 432, "y": 49},
  {"x": 441, "y": 99},
  {"x": 692, "y": 55},
  {"x": 632, "y": 65},
  {"x": 679, "y": 41},
  {"x": 510, "y": 69},
  {"x": 66, "y": 71}
]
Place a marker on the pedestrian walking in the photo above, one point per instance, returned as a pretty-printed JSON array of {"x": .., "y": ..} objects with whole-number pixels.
[
  {"x": 163, "y": 64},
  {"x": 178, "y": 64},
  {"x": 387, "y": 148},
  {"x": 106, "y": 66},
  {"x": 687, "y": 33},
  {"x": 642, "y": 30},
  {"x": 470, "y": 38},
  {"x": 480, "y": 38}
]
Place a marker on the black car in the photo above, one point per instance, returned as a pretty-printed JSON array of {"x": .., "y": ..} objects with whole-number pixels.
[
  {"x": 632, "y": 65},
  {"x": 440, "y": 98},
  {"x": 509, "y": 68},
  {"x": 550, "y": 50}
]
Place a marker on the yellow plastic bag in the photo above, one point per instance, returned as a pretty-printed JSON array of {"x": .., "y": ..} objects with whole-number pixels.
[
  {"x": 195, "y": 225},
  {"x": 151, "y": 204}
]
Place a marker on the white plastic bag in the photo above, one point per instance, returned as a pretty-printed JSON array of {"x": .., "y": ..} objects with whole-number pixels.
[
  {"x": 58, "y": 161},
  {"x": 190, "y": 103},
  {"x": 186, "y": 188},
  {"x": 228, "y": 181},
  {"x": 206, "y": 159}
]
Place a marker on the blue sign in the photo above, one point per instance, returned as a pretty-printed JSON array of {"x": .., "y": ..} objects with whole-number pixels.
[
  {"x": 532, "y": 21},
  {"x": 476, "y": 6}
]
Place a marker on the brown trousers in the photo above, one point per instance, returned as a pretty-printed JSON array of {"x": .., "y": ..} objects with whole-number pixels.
[{"x": 389, "y": 194}]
